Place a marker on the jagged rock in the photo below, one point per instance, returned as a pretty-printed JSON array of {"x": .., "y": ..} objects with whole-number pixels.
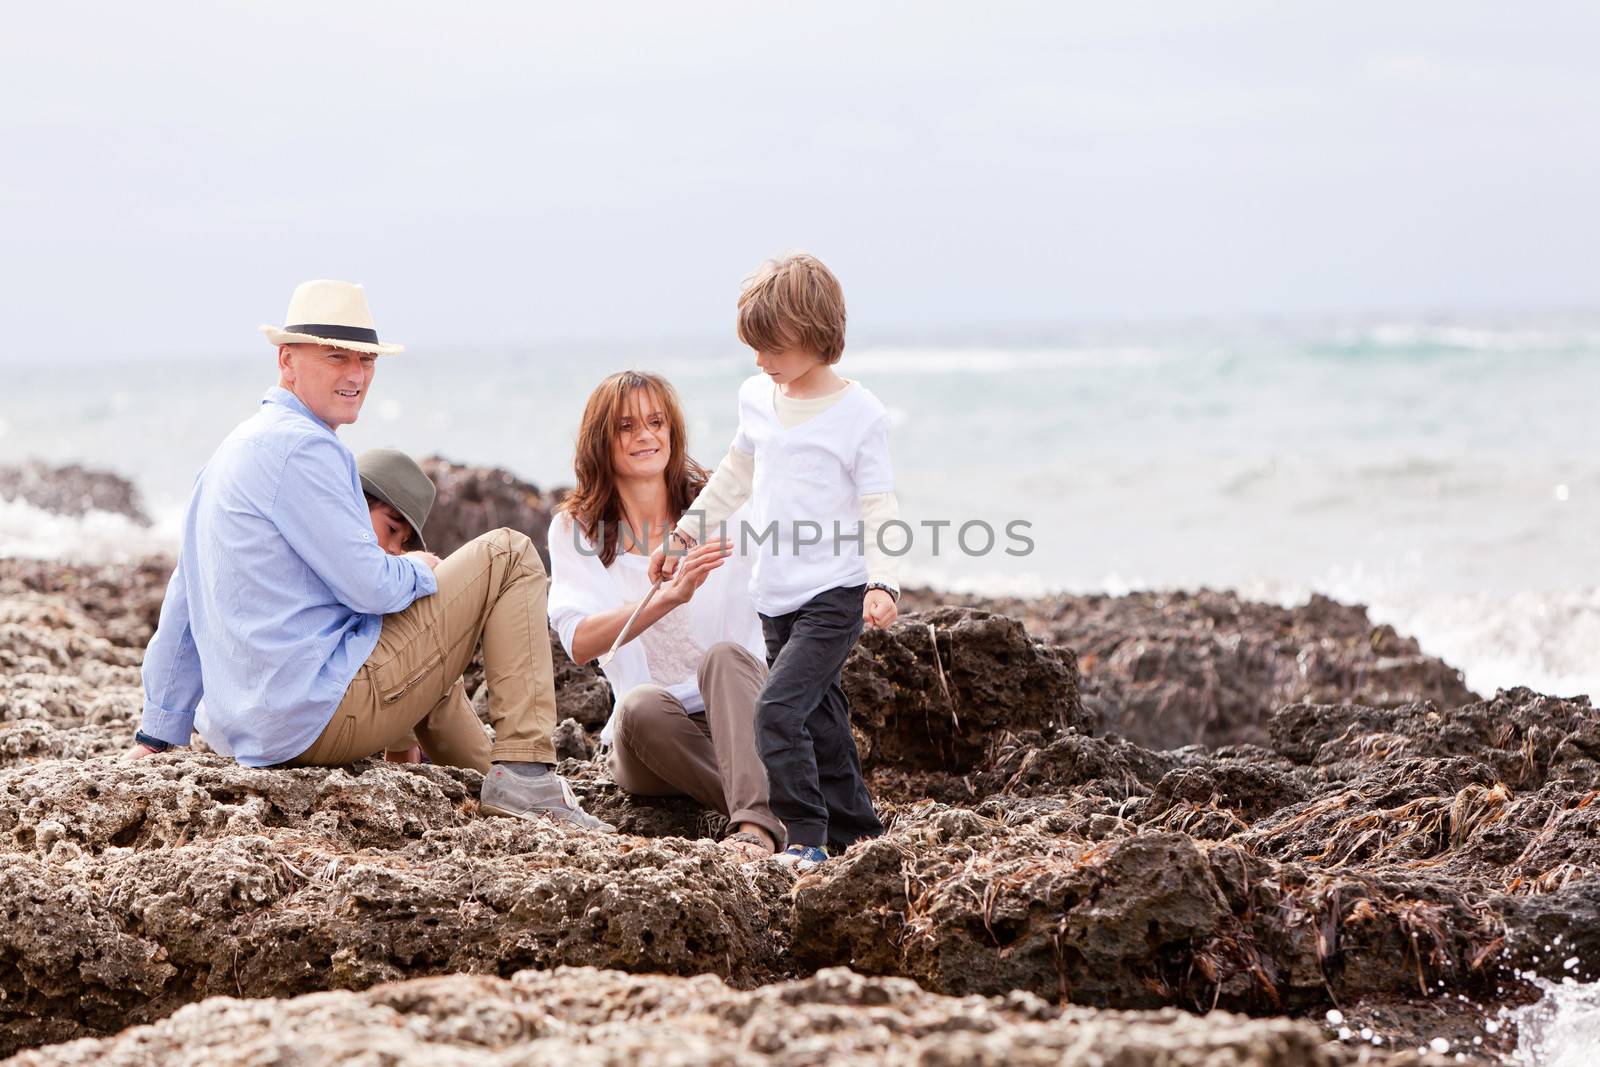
[
  {"x": 937, "y": 688},
  {"x": 1204, "y": 794},
  {"x": 571, "y": 742},
  {"x": 123, "y": 602},
  {"x": 678, "y": 816},
  {"x": 582, "y": 692},
  {"x": 1522, "y": 737},
  {"x": 182, "y": 797},
  {"x": 1214, "y": 795},
  {"x": 1556, "y": 934},
  {"x": 1394, "y": 858},
  {"x": 65, "y": 690},
  {"x": 33, "y": 740},
  {"x": 71, "y": 490},
  {"x": 127, "y": 890},
  {"x": 1500, "y": 791},
  {"x": 965, "y": 904},
  {"x": 1031, "y": 765},
  {"x": 1301, "y": 936},
  {"x": 578, "y": 1016},
  {"x": 475, "y": 500},
  {"x": 1174, "y": 669},
  {"x": 1467, "y": 1026},
  {"x": 968, "y": 904}
]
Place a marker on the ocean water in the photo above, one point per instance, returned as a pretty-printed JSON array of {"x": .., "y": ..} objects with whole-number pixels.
[
  {"x": 1445, "y": 471},
  {"x": 1561, "y": 1029}
]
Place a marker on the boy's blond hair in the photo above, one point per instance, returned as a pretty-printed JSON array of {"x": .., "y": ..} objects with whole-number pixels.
[{"x": 793, "y": 302}]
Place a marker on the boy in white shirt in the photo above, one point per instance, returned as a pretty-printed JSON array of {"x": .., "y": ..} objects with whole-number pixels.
[{"x": 811, "y": 456}]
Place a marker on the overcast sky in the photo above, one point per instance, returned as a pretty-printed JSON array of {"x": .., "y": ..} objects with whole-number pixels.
[{"x": 521, "y": 173}]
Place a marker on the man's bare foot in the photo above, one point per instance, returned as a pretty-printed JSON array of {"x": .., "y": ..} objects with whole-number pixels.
[
  {"x": 405, "y": 755},
  {"x": 750, "y": 842}
]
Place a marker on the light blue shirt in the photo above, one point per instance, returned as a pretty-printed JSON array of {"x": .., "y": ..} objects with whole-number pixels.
[{"x": 279, "y": 594}]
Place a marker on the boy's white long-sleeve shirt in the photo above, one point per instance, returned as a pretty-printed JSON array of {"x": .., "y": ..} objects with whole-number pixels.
[{"x": 734, "y": 480}]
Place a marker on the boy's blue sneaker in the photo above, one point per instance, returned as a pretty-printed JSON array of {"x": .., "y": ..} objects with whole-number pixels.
[{"x": 802, "y": 858}]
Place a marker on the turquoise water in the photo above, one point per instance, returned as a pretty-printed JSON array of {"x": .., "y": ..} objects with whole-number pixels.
[{"x": 1445, "y": 471}]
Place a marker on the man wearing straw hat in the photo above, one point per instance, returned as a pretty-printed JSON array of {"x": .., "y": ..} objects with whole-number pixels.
[{"x": 310, "y": 644}]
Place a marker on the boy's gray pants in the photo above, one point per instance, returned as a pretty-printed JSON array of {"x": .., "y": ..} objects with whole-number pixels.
[{"x": 803, "y": 723}]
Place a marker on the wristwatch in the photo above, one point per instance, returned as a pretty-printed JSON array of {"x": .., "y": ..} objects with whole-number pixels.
[
  {"x": 155, "y": 744},
  {"x": 886, "y": 587}
]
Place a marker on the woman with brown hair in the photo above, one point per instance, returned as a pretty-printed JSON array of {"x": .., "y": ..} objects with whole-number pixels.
[{"x": 690, "y": 666}]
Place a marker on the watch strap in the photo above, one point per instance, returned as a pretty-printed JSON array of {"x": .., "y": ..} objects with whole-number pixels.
[{"x": 153, "y": 743}]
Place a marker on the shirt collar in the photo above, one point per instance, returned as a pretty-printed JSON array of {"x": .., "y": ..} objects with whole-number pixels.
[{"x": 279, "y": 395}]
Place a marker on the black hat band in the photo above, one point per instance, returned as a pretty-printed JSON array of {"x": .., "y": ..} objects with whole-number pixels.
[{"x": 336, "y": 333}]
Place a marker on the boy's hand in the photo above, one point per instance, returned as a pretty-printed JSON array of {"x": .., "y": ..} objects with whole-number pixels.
[
  {"x": 428, "y": 558},
  {"x": 879, "y": 610}
]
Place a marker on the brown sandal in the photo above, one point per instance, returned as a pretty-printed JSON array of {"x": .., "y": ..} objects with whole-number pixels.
[{"x": 748, "y": 844}]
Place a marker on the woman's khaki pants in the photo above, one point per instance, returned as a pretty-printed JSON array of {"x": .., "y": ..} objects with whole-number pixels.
[
  {"x": 492, "y": 591},
  {"x": 661, "y": 751}
]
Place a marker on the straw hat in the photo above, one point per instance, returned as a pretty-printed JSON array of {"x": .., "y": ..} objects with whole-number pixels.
[
  {"x": 330, "y": 313},
  {"x": 394, "y": 478}
]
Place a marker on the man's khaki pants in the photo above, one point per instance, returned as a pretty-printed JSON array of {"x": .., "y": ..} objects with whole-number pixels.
[{"x": 491, "y": 590}]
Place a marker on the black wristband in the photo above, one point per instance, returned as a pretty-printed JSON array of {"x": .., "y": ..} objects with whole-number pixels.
[{"x": 153, "y": 743}]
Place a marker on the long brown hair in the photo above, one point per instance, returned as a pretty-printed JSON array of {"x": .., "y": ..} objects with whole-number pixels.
[{"x": 596, "y": 504}]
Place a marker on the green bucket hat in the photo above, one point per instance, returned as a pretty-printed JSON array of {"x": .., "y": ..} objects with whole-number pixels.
[{"x": 394, "y": 478}]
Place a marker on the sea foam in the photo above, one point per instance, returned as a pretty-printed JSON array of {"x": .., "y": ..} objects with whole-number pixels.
[
  {"x": 28, "y": 532},
  {"x": 1562, "y": 1029}
]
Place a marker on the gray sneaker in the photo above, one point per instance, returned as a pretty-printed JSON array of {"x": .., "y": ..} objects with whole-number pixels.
[{"x": 505, "y": 793}]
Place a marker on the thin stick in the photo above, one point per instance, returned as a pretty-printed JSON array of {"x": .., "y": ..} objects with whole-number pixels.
[
  {"x": 933, "y": 639},
  {"x": 623, "y": 634}
]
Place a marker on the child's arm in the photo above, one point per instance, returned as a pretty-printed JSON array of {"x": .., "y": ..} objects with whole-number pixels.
[
  {"x": 883, "y": 570},
  {"x": 874, "y": 475},
  {"x": 728, "y": 488}
]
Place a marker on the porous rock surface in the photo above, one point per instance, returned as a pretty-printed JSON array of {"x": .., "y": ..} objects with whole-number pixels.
[
  {"x": 1081, "y": 868},
  {"x": 583, "y": 1016},
  {"x": 1356, "y": 832},
  {"x": 1167, "y": 669},
  {"x": 127, "y": 890},
  {"x": 934, "y": 691}
]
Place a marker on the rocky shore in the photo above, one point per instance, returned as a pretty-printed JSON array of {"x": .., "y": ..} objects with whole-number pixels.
[{"x": 1162, "y": 828}]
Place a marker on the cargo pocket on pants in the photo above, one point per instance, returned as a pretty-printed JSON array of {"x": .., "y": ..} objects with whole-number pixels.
[{"x": 396, "y": 689}]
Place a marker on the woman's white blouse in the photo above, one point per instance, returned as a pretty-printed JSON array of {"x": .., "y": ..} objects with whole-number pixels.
[{"x": 668, "y": 654}]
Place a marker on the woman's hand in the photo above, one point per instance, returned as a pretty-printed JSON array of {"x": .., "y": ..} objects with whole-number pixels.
[
  {"x": 594, "y": 634},
  {"x": 694, "y": 569},
  {"x": 879, "y": 609},
  {"x": 662, "y": 565}
]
